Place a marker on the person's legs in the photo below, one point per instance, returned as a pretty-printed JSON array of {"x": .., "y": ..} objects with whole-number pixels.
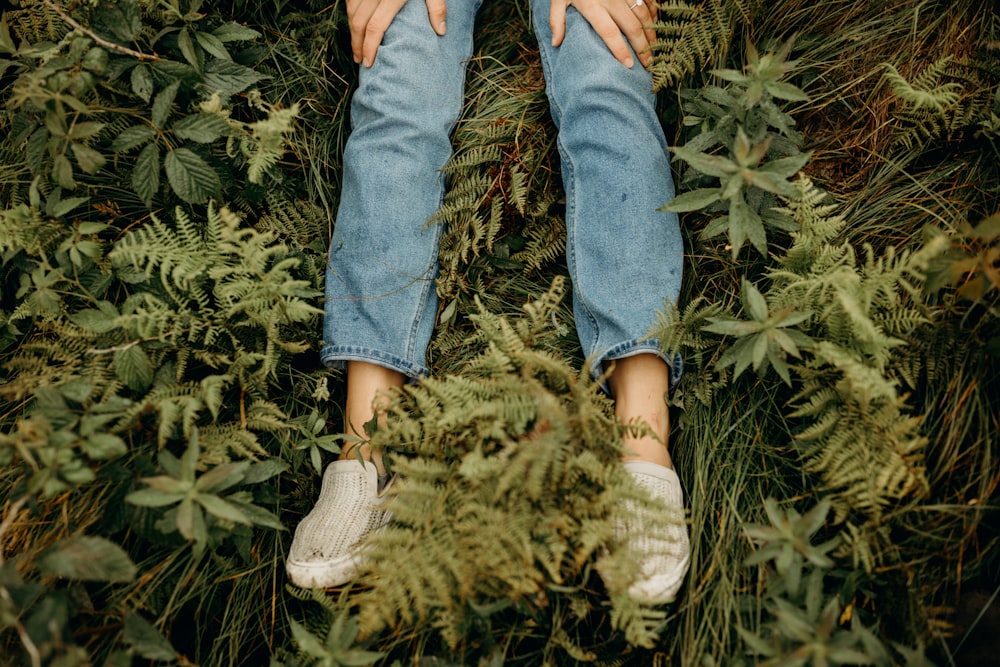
[
  {"x": 639, "y": 386},
  {"x": 368, "y": 386},
  {"x": 380, "y": 290},
  {"x": 625, "y": 259},
  {"x": 381, "y": 301}
]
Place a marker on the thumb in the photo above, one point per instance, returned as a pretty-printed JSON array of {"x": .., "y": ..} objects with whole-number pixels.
[{"x": 437, "y": 10}]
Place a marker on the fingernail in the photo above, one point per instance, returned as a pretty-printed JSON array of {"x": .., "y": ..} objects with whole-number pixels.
[
  {"x": 367, "y": 63},
  {"x": 442, "y": 27},
  {"x": 629, "y": 62}
]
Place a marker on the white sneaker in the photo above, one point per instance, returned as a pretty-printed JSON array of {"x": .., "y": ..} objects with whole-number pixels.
[
  {"x": 663, "y": 552},
  {"x": 328, "y": 548}
]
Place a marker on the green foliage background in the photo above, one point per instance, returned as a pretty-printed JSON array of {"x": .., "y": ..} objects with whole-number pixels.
[{"x": 168, "y": 176}]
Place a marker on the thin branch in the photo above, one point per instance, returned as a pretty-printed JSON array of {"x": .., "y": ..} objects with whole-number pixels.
[
  {"x": 8, "y": 520},
  {"x": 22, "y": 633},
  {"x": 118, "y": 348},
  {"x": 99, "y": 40}
]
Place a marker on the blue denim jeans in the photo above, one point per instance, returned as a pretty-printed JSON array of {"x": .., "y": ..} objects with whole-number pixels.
[{"x": 624, "y": 256}]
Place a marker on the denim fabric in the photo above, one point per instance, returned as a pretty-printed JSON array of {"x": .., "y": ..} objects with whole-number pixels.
[{"x": 624, "y": 256}]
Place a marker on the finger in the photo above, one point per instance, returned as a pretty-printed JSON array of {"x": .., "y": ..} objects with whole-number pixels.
[
  {"x": 632, "y": 29},
  {"x": 376, "y": 27},
  {"x": 646, "y": 13},
  {"x": 437, "y": 11},
  {"x": 359, "y": 12},
  {"x": 610, "y": 30},
  {"x": 557, "y": 20}
]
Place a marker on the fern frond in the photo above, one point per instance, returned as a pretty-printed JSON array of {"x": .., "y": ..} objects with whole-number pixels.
[
  {"x": 924, "y": 91},
  {"x": 690, "y": 36},
  {"x": 517, "y": 441}
]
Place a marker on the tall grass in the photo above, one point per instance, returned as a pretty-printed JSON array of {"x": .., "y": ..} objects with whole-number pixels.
[{"x": 733, "y": 442}]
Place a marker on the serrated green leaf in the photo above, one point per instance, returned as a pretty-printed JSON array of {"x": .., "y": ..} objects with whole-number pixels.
[
  {"x": 153, "y": 498},
  {"x": 740, "y": 355},
  {"x": 133, "y": 367},
  {"x": 731, "y": 327},
  {"x": 121, "y": 20},
  {"x": 786, "y": 167},
  {"x": 104, "y": 446},
  {"x": 86, "y": 558},
  {"x": 169, "y": 483},
  {"x": 715, "y": 227},
  {"x": 234, "y": 32},
  {"x": 85, "y": 130},
  {"x": 132, "y": 137},
  {"x": 188, "y": 464},
  {"x": 754, "y": 302},
  {"x": 786, "y": 91},
  {"x": 96, "y": 60},
  {"x": 759, "y": 350},
  {"x": 142, "y": 81},
  {"x": 61, "y": 207},
  {"x": 162, "y": 104},
  {"x": 203, "y": 128},
  {"x": 146, "y": 174},
  {"x": 693, "y": 200},
  {"x": 91, "y": 249},
  {"x": 780, "y": 366},
  {"x": 188, "y": 48},
  {"x": 785, "y": 342},
  {"x": 316, "y": 459},
  {"x": 92, "y": 319},
  {"x": 146, "y": 640},
  {"x": 711, "y": 165},
  {"x": 770, "y": 183},
  {"x": 222, "y": 477},
  {"x": 228, "y": 78},
  {"x": 190, "y": 176},
  {"x": 89, "y": 228},
  {"x": 258, "y": 516},
  {"x": 36, "y": 149},
  {"x": 264, "y": 470},
  {"x": 220, "y": 508},
  {"x": 186, "y": 518},
  {"x": 730, "y": 75},
  {"x": 212, "y": 45},
  {"x": 307, "y": 642},
  {"x": 90, "y": 160},
  {"x": 62, "y": 172},
  {"x": 744, "y": 223}
]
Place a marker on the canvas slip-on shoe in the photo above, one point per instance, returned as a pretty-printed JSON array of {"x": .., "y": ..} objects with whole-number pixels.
[
  {"x": 328, "y": 548},
  {"x": 662, "y": 551}
]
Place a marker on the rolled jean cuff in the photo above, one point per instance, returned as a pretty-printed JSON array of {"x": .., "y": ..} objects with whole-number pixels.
[
  {"x": 337, "y": 356},
  {"x": 631, "y": 348}
]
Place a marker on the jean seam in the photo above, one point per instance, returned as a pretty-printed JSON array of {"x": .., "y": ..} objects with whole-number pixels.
[
  {"x": 569, "y": 170},
  {"x": 335, "y": 355}
]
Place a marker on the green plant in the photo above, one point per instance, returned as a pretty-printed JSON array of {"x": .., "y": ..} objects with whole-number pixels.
[
  {"x": 744, "y": 119},
  {"x": 521, "y": 441},
  {"x": 159, "y": 322}
]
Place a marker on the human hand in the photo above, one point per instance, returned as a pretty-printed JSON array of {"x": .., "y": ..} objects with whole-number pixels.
[
  {"x": 369, "y": 19},
  {"x": 615, "y": 21}
]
